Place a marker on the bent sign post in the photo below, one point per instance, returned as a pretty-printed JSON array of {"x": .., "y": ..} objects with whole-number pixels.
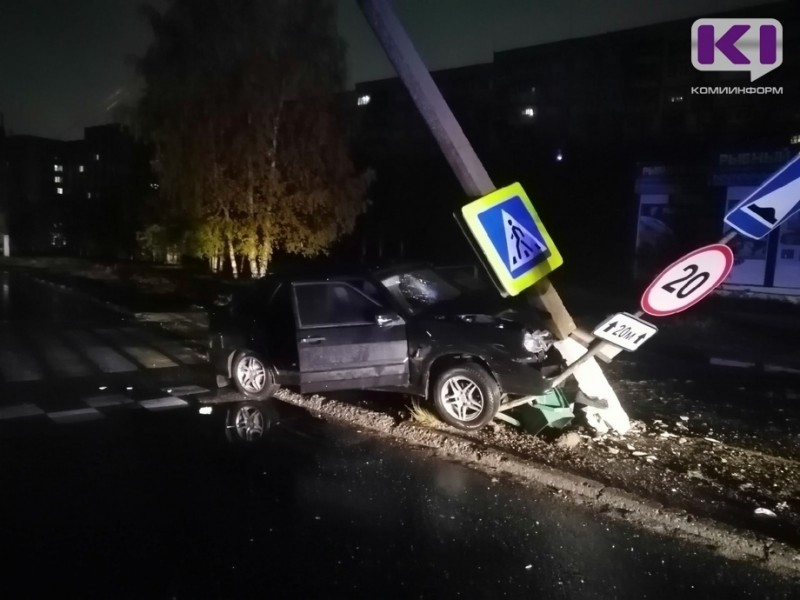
[
  {"x": 688, "y": 280},
  {"x": 681, "y": 285}
]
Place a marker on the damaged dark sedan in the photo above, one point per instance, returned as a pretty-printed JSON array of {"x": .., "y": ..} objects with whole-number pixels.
[{"x": 409, "y": 329}]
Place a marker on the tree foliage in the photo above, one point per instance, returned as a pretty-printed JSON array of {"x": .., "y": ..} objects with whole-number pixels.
[{"x": 240, "y": 104}]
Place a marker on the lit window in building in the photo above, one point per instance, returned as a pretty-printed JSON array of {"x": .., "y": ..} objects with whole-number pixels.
[
  {"x": 81, "y": 169},
  {"x": 675, "y": 99},
  {"x": 59, "y": 191},
  {"x": 58, "y": 168},
  {"x": 364, "y": 100},
  {"x": 795, "y": 139},
  {"x": 529, "y": 112},
  {"x": 57, "y": 240},
  {"x": 57, "y": 179}
]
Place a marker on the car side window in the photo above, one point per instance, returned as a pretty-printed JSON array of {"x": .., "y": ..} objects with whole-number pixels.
[
  {"x": 332, "y": 304},
  {"x": 367, "y": 288},
  {"x": 255, "y": 298}
]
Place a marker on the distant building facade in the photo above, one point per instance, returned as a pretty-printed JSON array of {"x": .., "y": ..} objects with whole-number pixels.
[
  {"x": 76, "y": 197},
  {"x": 574, "y": 121},
  {"x": 681, "y": 207}
]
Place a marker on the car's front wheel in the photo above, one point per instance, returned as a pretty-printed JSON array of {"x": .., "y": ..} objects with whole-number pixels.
[
  {"x": 251, "y": 376},
  {"x": 466, "y": 396}
]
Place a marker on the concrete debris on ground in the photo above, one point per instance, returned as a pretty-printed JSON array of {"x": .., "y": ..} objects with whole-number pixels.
[{"x": 593, "y": 383}]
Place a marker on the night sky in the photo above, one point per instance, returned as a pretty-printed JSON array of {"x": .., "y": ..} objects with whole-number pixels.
[{"x": 63, "y": 62}]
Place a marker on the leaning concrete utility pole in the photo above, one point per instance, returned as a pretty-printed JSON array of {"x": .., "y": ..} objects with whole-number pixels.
[{"x": 451, "y": 139}]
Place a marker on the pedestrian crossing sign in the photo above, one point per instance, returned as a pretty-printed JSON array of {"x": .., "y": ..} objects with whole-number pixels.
[{"x": 512, "y": 238}]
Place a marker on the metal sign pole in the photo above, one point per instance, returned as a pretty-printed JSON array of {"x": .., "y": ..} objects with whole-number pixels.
[
  {"x": 459, "y": 153},
  {"x": 598, "y": 346}
]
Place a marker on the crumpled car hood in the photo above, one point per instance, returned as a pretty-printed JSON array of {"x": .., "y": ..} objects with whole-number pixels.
[{"x": 487, "y": 311}]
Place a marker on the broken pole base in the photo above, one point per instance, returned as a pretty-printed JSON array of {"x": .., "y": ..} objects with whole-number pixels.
[{"x": 593, "y": 383}]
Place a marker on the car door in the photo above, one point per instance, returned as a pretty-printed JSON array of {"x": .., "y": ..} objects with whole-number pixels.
[
  {"x": 341, "y": 345},
  {"x": 276, "y": 334}
]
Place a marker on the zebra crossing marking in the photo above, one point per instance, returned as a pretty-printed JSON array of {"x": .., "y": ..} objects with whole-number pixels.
[
  {"x": 78, "y": 415},
  {"x": 78, "y": 352},
  {"x": 108, "y": 400},
  {"x": 16, "y": 364},
  {"x": 168, "y": 347},
  {"x": 105, "y": 357},
  {"x": 186, "y": 390},
  {"x": 59, "y": 357},
  {"x": 147, "y": 357},
  {"x": 167, "y": 403},
  {"x": 19, "y": 411}
]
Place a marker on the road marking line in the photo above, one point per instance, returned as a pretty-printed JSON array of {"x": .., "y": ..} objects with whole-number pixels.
[
  {"x": 148, "y": 357},
  {"x": 185, "y": 390},
  {"x": 780, "y": 369},
  {"x": 79, "y": 415},
  {"x": 725, "y": 362},
  {"x": 19, "y": 411},
  {"x": 167, "y": 346},
  {"x": 167, "y": 403},
  {"x": 102, "y": 355},
  {"x": 60, "y": 358},
  {"x": 107, "y": 400},
  {"x": 15, "y": 363}
]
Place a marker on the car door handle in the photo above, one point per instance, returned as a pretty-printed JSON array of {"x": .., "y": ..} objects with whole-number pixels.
[{"x": 312, "y": 340}]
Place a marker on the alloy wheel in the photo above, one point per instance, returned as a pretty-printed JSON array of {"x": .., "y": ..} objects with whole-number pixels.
[
  {"x": 462, "y": 398},
  {"x": 252, "y": 374}
]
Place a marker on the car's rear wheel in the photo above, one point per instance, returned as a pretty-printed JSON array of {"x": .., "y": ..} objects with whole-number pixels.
[
  {"x": 248, "y": 422},
  {"x": 466, "y": 396},
  {"x": 251, "y": 376}
]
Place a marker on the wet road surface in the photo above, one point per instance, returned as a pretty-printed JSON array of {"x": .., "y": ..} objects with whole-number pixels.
[
  {"x": 133, "y": 494},
  {"x": 150, "y": 505},
  {"x": 66, "y": 357}
]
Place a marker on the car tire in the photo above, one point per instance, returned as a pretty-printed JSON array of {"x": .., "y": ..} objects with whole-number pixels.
[
  {"x": 466, "y": 396},
  {"x": 248, "y": 422},
  {"x": 251, "y": 376}
]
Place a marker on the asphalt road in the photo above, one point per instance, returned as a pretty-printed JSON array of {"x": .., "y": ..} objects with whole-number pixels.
[{"x": 153, "y": 501}]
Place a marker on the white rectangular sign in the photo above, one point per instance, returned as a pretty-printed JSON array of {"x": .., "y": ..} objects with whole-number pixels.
[{"x": 625, "y": 331}]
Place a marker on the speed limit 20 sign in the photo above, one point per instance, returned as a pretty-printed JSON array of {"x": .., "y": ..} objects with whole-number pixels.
[{"x": 688, "y": 280}]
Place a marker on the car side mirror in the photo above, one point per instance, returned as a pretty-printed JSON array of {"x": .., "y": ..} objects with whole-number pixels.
[{"x": 387, "y": 318}]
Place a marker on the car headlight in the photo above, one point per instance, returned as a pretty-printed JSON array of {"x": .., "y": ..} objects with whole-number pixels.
[{"x": 537, "y": 341}]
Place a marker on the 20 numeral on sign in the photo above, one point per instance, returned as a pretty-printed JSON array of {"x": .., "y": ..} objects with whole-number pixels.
[
  {"x": 688, "y": 280},
  {"x": 691, "y": 282}
]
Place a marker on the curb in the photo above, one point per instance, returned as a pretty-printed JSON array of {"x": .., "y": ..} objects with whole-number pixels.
[{"x": 726, "y": 541}]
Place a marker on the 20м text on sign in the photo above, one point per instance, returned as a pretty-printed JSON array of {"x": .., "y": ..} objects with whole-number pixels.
[
  {"x": 625, "y": 331},
  {"x": 512, "y": 238},
  {"x": 777, "y": 199},
  {"x": 688, "y": 280}
]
